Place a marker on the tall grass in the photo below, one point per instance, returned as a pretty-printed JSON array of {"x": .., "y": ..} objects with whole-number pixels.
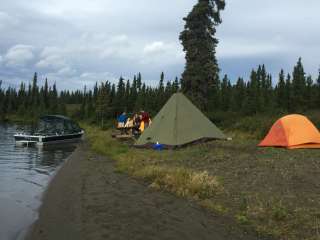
[{"x": 180, "y": 180}]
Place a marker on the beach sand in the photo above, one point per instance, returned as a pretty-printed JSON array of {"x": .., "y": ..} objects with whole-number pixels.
[{"x": 88, "y": 199}]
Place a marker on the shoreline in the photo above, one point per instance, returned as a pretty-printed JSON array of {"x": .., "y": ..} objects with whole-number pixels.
[
  {"x": 51, "y": 203},
  {"x": 89, "y": 199}
]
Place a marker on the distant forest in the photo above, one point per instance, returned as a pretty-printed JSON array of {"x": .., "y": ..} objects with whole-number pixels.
[{"x": 294, "y": 92}]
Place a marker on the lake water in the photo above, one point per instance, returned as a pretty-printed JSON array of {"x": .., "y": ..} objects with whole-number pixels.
[{"x": 24, "y": 176}]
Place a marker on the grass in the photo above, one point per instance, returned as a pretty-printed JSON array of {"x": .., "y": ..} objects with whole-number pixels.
[
  {"x": 273, "y": 191},
  {"x": 183, "y": 181}
]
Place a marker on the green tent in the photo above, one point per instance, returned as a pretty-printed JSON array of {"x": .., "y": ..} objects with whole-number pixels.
[{"x": 178, "y": 123}]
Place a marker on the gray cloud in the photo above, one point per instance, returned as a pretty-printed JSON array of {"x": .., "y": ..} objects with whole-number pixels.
[
  {"x": 19, "y": 55},
  {"x": 78, "y": 42}
]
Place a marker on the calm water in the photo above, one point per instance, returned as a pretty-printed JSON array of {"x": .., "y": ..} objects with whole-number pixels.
[{"x": 24, "y": 176}]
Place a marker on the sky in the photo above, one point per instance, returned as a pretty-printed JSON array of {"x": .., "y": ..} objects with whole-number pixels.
[{"x": 78, "y": 42}]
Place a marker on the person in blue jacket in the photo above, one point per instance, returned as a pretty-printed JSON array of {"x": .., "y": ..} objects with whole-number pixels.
[{"x": 122, "y": 119}]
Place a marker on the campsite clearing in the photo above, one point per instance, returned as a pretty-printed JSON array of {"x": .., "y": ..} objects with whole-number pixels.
[{"x": 270, "y": 190}]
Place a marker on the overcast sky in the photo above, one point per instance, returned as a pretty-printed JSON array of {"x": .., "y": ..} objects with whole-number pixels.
[{"x": 78, "y": 42}]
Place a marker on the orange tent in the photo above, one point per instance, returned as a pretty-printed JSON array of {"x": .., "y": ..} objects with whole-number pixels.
[{"x": 292, "y": 131}]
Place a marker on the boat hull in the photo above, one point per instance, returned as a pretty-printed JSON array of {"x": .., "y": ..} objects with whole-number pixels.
[{"x": 22, "y": 139}]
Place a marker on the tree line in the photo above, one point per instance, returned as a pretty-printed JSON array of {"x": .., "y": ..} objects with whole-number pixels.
[
  {"x": 295, "y": 92},
  {"x": 30, "y": 101}
]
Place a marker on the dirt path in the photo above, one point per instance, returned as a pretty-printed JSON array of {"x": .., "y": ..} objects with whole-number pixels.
[{"x": 88, "y": 199}]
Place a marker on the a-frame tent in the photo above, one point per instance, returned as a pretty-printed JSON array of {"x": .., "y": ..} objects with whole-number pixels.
[{"x": 178, "y": 123}]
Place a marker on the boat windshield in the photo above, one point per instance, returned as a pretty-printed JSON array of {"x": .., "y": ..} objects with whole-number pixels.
[{"x": 57, "y": 126}]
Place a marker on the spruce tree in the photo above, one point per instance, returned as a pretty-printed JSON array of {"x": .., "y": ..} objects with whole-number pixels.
[
  {"x": 133, "y": 94},
  {"x": 141, "y": 99},
  {"x": 113, "y": 101},
  {"x": 139, "y": 82},
  {"x": 127, "y": 96},
  {"x": 161, "y": 97},
  {"x": 308, "y": 99},
  {"x": 200, "y": 79},
  {"x": 168, "y": 92},
  {"x": 253, "y": 98},
  {"x": 95, "y": 93},
  {"x": 239, "y": 95},
  {"x": 89, "y": 110},
  {"x": 269, "y": 96},
  {"x": 225, "y": 93},
  {"x": 34, "y": 96},
  {"x": 288, "y": 95},
  {"x": 262, "y": 79},
  {"x": 46, "y": 94},
  {"x": 120, "y": 102},
  {"x": 34, "y": 88},
  {"x": 102, "y": 104},
  {"x": 29, "y": 100},
  {"x": 54, "y": 99},
  {"x": 176, "y": 85},
  {"x": 281, "y": 92},
  {"x": 298, "y": 86}
]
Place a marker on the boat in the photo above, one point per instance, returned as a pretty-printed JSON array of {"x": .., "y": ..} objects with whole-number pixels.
[{"x": 50, "y": 129}]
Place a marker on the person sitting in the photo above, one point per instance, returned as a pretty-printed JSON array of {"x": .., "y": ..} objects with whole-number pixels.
[
  {"x": 145, "y": 117},
  {"x": 136, "y": 124},
  {"x": 122, "y": 119}
]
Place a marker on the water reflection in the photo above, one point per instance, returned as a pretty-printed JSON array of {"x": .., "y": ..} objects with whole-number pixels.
[{"x": 24, "y": 175}]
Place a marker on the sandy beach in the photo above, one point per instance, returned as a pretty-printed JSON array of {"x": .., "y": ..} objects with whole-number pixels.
[{"x": 88, "y": 199}]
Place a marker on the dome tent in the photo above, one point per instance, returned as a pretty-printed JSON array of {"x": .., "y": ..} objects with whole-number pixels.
[
  {"x": 178, "y": 123},
  {"x": 292, "y": 131}
]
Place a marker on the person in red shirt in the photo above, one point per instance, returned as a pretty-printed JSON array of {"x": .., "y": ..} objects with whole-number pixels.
[{"x": 145, "y": 117}]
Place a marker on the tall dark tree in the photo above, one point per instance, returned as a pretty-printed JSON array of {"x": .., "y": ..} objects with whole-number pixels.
[
  {"x": 298, "y": 86},
  {"x": 288, "y": 94},
  {"x": 139, "y": 82},
  {"x": 46, "y": 94},
  {"x": 133, "y": 94},
  {"x": 176, "y": 85},
  {"x": 281, "y": 91},
  {"x": 95, "y": 92},
  {"x": 35, "y": 94},
  {"x": 120, "y": 96},
  {"x": 127, "y": 96},
  {"x": 253, "y": 99},
  {"x": 239, "y": 95},
  {"x": 308, "y": 98},
  {"x": 200, "y": 80},
  {"x": 161, "y": 98},
  {"x": 141, "y": 99},
  {"x": 225, "y": 93},
  {"x": 102, "y": 104},
  {"x": 54, "y": 102}
]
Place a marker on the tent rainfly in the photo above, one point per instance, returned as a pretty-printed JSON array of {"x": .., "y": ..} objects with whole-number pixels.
[
  {"x": 292, "y": 131},
  {"x": 178, "y": 123}
]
